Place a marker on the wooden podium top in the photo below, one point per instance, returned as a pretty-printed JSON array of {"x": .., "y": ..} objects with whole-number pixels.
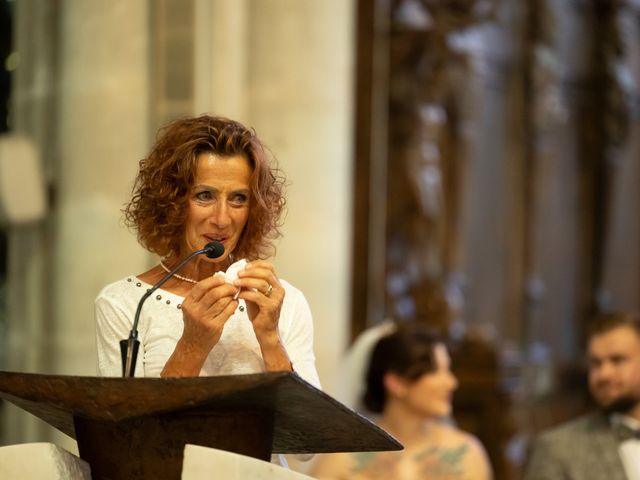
[{"x": 305, "y": 419}]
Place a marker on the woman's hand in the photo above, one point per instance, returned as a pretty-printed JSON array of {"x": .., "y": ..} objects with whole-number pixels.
[
  {"x": 263, "y": 294},
  {"x": 205, "y": 310}
]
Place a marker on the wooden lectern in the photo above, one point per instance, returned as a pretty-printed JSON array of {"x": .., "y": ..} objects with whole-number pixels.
[{"x": 136, "y": 428}]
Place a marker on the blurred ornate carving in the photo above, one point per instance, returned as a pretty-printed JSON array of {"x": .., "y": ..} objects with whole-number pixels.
[
  {"x": 511, "y": 162},
  {"x": 428, "y": 72}
]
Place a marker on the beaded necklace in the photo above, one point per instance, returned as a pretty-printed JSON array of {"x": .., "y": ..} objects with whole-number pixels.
[{"x": 179, "y": 277}]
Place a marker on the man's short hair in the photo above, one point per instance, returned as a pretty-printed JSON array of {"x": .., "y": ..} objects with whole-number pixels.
[{"x": 605, "y": 322}]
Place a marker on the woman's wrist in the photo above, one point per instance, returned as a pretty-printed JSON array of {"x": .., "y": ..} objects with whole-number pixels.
[
  {"x": 274, "y": 355},
  {"x": 268, "y": 339},
  {"x": 185, "y": 361}
]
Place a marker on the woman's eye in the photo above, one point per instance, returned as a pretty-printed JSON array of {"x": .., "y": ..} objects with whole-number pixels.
[
  {"x": 204, "y": 196},
  {"x": 239, "y": 199}
]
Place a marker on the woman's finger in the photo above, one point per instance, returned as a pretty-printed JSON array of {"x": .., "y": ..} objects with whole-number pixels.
[{"x": 203, "y": 287}]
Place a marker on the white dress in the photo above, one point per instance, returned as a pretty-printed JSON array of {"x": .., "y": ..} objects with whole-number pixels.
[{"x": 161, "y": 325}]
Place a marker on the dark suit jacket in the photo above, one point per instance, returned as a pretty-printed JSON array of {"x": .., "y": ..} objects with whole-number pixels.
[{"x": 584, "y": 449}]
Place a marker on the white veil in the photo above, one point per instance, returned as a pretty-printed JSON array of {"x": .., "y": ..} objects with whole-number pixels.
[{"x": 351, "y": 383}]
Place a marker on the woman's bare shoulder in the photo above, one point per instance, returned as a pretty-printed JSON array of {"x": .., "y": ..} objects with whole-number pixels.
[
  {"x": 331, "y": 466},
  {"x": 455, "y": 451},
  {"x": 357, "y": 465},
  {"x": 447, "y": 432}
]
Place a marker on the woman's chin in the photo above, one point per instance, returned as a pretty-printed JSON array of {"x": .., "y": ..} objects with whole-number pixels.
[{"x": 442, "y": 412}]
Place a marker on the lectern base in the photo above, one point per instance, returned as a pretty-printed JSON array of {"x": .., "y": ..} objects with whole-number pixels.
[{"x": 151, "y": 448}]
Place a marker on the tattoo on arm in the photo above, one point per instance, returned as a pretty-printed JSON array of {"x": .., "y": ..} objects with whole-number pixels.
[
  {"x": 375, "y": 465},
  {"x": 436, "y": 463},
  {"x": 439, "y": 462}
]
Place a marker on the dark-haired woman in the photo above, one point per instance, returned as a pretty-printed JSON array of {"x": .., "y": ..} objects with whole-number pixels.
[
  {"x": 208, "y": 179},
  {"x": 409, "y": 383}
]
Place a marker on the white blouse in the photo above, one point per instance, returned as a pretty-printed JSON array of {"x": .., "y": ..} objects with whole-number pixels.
[{"x": 161, "y": 325}]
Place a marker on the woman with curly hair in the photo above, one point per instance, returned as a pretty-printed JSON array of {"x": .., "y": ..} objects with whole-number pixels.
[
  {"x": 408, "y": 386},
  {"x": 208, "y": 179}
]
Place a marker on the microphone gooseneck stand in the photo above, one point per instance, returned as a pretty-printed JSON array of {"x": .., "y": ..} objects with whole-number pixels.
[{"x": 129, "y": 347}]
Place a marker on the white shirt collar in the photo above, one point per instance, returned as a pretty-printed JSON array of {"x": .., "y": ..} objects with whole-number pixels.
[{"x": 621, "y": 419}]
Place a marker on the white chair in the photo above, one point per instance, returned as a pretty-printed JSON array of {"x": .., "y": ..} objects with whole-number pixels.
[
  {"x": 41, "y": 461},
  {"x": 202, "y": 463}
]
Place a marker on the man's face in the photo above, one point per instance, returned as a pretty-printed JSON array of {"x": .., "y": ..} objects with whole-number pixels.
[{"x": 614, "y": 369}]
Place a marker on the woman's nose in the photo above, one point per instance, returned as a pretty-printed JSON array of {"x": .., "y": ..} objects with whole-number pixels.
[
  {"x": 453, "y": 380},
  {"x": 220, "y": 215}
]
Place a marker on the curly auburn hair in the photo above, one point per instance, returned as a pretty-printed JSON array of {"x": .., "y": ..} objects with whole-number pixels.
[
  {"x": 158, "y": 206},
  {"x": 407, "y": 352}
]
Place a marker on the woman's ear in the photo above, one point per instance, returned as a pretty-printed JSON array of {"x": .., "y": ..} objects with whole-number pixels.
[{"x": 395, "y": 385}]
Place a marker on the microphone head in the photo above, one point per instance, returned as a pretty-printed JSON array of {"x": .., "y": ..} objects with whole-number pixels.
[{"x": 213, "y": 249}]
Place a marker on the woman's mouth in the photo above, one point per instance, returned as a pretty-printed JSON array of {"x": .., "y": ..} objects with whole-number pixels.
[{"x": 215, "y": 238}]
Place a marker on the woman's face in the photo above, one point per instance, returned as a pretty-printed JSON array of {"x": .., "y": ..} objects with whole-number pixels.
[
  {"x": 430, "y": 394},
  {"x": 219, "y": 203}
]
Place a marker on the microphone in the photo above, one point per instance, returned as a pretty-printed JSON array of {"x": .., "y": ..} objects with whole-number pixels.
[{"x": 129, "y": 347}]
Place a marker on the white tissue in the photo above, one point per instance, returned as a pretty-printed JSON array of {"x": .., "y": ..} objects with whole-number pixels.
[{"x": 232, "y": 273}]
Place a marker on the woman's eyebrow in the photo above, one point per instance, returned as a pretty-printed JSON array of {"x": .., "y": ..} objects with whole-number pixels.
[{"x": 202, "y": 186}]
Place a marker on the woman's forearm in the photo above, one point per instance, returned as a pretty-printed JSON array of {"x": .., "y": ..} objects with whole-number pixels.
[{"x": 185, "y": 361}]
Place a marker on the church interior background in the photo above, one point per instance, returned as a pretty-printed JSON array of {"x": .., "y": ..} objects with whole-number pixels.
[{"x": 472, "y": 163}]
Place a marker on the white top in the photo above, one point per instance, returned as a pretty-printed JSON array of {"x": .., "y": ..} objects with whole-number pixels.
[
  {"x": 630, "y": 448},
  {"x": 161, "y": 325}
]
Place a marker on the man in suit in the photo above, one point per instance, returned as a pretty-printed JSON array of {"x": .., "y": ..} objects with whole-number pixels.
[{"x": 604, "y": 445}]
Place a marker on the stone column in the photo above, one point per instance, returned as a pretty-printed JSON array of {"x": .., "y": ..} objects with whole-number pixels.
[
  {"x": 285, "y": 68},
  {"x": 29, "y": 250},
  {"x": 301, "y": 102},
  {"x": 103, "y": 133},
  {"x": 85, "y": 104},
  {"x": 222, "y": 58}
]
